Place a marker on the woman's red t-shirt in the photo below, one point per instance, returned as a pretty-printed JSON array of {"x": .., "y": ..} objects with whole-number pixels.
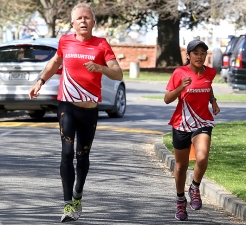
[{"x": 192, "y": 111}]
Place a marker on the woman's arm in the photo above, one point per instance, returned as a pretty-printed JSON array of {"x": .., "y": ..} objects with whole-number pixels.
[
  {"x": 171, "y": 96},
  {"x": 213, "y": 102}
]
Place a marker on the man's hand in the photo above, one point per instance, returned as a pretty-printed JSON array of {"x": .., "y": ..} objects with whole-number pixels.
[
  {"x": 93, "y": 67},
  {"x": 33, "y": 93}
]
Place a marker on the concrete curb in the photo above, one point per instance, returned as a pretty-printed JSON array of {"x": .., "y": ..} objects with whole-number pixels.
[{"x": 222, "y": 198}]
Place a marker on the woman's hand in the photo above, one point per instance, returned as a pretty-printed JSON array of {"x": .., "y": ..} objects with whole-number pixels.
[
  {"x": 171, "y": 96},
  {"x": 185, "y": 82},
  {"x": 215, "y": 108}
]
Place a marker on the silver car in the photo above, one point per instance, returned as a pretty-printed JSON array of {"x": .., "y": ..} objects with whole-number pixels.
[{"x": 21, "y": 64}]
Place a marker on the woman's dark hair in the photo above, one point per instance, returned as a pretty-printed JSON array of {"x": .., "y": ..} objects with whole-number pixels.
[
  {"x": 187, "y": 62},
  {"x": 188, "y": 52}
]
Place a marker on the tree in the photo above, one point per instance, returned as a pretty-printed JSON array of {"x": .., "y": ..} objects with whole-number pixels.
[
  {"x": 10, "y": 16},
  {"x": 171, "y": 15},
  {"x": 55, "y": 13},
  {"x": 168, "y": 51}
]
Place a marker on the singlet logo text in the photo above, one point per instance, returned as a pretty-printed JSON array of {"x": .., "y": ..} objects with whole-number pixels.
[
  {"x": 80, "y": 56},
  {"x": 198, "y": 90}
]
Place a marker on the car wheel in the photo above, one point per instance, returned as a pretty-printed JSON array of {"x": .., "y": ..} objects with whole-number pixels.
[
  {"x": 217, "y": 59},
  {"x": 119, "y": 105},
  {"x": 37, "y": 114}
]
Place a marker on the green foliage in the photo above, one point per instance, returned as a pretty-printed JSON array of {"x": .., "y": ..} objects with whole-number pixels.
[
  {"x": 194, "y": 14},
  {"x": 227, "y": 157}
]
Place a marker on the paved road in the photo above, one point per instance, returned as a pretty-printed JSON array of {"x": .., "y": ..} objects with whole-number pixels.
[{"x": 126, "y": 183}]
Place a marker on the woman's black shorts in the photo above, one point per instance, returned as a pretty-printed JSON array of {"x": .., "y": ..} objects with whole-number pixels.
[{"x": 182, "y": 140}]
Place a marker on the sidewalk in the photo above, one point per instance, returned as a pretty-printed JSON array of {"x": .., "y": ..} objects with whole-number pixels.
[{"x": 222, "y": 198}]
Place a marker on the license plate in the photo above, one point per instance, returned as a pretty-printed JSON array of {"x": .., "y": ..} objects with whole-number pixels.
[{"x": 19, "y": 76}]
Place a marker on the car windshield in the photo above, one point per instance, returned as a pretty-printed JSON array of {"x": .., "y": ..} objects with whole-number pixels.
[{"x": 26, "y": 53}]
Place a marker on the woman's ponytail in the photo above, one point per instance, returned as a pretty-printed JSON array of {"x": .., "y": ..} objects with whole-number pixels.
[{"x": 187, "y": 62}]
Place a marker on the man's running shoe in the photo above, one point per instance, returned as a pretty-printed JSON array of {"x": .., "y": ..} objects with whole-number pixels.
[
  {"x": 69, "y": 214},
  {"x": 195, "y": 199},
  {"x": 181, "y": 213},
  {"x": 77, "y": 205}
]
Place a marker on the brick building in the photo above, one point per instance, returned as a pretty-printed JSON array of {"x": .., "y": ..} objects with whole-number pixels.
[{"x": 144, "y": 54}]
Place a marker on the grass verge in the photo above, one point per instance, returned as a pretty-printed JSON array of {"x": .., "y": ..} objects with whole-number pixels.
[
  {"x": 227, "y": 157},
  {"x": 222, "y": 97},
  {"x": 148, "y": 76},
  {"x": 155, "y": 76}
]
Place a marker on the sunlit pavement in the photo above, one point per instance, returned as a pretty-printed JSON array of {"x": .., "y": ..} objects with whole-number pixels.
[{"x": 56, "y": 125}]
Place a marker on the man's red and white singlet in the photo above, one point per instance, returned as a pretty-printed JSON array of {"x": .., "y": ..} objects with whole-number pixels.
[
  {"x": 77, "y": 84},
  {"x": 192, "y": 111}
]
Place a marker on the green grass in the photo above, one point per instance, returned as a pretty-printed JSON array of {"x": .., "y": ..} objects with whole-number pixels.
[
  {"x": 227, "y": 157},
  {"x": 222, "y": 97},
  {"x": 232, "y": 97},
  {"x": 154, "y": 76},
  {"x": 148, "y": 76},
  {"x": 158, "y": 76}
]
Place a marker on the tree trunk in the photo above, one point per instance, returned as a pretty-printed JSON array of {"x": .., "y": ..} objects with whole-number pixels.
[
  {"x": 168, "y": 49},
  {"x": 51, "y": 25},
  {"x": 51, "y": 30}
]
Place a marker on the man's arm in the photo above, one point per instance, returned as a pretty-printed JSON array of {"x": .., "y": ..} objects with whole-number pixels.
[
  {"x": 112, "y": 70},
  {"x": 50, "y": 69}
]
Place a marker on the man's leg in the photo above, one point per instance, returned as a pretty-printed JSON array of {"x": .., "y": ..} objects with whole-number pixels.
[
  {"x": 67, "y": 133},
  {"x": 85, "y": 136}
]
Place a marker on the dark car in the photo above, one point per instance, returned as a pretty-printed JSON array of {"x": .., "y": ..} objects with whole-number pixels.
[
  {"x": 237, "y": 71},
  {"x": 226, "y": 57}
]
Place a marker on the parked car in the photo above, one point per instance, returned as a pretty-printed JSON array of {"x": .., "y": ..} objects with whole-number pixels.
[
  {"x": 226, "y": 57},
  {"x": 21, "y": 64},
  {"x": 237, "y": 70}
]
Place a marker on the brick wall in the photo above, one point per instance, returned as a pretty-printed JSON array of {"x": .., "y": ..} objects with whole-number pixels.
[{"x": 145, "y": 55}]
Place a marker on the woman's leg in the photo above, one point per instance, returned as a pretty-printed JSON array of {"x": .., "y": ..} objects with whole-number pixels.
[
  {"x": 181, "y": 143},
  {"x": 201, "y": 144},
  {"x": 181, "y": 166}
]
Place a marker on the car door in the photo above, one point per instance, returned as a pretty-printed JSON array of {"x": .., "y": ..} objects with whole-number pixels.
[{"x": 109, "y": 90}]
